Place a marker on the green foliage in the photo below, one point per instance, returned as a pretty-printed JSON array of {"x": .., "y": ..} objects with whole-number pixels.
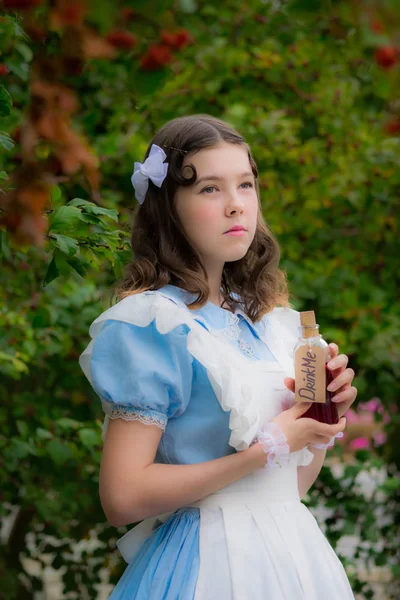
[
  {"x": 312, "y": 104},
  {"x": 94, "y": 240}
]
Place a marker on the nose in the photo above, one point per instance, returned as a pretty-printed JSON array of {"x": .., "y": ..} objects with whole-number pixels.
[{"x": 234, "y": 204}]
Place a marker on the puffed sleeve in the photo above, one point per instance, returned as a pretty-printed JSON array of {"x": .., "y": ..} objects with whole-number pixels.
[{"x": 141, "y": 374}]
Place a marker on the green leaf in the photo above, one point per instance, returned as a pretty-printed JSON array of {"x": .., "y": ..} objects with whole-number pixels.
[
  {"x": 66, "y": 244},
  {"x": 23, "y": 429},
  {"x": 62, "y": 262},
  {"x": 5, "y": 102},
  {"x": 391, "y": 484},
  {"x": 51, "y": 273},
  {"x": 55, "y": 194},
  {"x": 188, "y": 6},
  {"x": 43, "y": 434},
  {"x": 21, "y": 449},
  {"x": 41, "y": 318},
  {"x": 89, "y": 437},
  {"x": 5, "y": 141},
  {"x": 4, "y": 247},
  {"x": 78, "y": 265},
  {"x": 148, "y": 83},
  {"x": 19, "y": 32},
  {"x": 103, "y": 15},
  {"x": 25, "y": 51},
  {"x": 65, "y": 219},
  {"x": 17, "y": 364},
  {"x": 396, "y": 572},
  {"x": 67, "y": 424},
  {"x": 59, "y": 452},
  {"x": 93, "y": 219},
  {"x": 92, "y": 208}
]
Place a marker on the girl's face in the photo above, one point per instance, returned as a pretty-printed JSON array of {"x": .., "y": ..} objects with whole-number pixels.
[{"x": 224, "y": 195}]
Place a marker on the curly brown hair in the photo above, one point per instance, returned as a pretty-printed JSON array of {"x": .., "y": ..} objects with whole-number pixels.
[{"x": 163, "y": 255}]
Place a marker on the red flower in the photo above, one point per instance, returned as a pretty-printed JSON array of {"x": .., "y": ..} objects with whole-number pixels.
[
  {"x": 183, "y": 38},
  {"x": 393, "y": 127},
  {"x": 386, "y": 56},
  {"x": 261, "y": 19},
  {"x": 377, "y": 26},
  {"x": 3, "y": 70},
  {"x": 72, "y": 15},
  {"x": 176, "y": 40},
  {"x": 157, "y": 56},
  {"x": 121, "y": 39},
  {"x": 168, "y": 38}
]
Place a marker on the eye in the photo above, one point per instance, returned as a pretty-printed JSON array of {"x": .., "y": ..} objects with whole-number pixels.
[
  {"x": 209, "y": 187},
  {"x": 249, "y": 183}
]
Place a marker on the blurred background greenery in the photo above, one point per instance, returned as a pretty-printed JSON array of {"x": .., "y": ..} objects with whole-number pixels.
[{"x": 313, "y": 87}]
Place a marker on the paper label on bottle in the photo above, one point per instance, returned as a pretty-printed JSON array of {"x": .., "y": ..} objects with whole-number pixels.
[{"x": 309, "y": 364}]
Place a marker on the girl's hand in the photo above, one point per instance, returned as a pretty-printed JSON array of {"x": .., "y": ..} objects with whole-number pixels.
[
  {"x": 345, "y": 393},
  {"x": 300, "y": 432}
]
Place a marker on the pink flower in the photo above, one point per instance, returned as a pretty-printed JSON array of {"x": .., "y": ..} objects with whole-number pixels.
[
  {"x": 352, "y": 416},
  {"x": 380, "y": 438},
  {"x": 360, "y": 443},
  {"x": 355, "y": 417},
  {"x": 373, "y": 405}
]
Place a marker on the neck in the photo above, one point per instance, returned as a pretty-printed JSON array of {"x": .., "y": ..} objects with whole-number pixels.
[
  {"x": 214, "y": 279},
  {"x": 215, "y": 294}
]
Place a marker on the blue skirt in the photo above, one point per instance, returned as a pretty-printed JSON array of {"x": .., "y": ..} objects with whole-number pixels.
[{"x": 167, "y": 564}]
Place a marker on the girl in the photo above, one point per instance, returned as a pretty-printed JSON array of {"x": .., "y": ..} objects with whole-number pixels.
[{"x": 194, "y": 365}]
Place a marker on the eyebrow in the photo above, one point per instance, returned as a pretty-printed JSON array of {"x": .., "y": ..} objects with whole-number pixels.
[{"x": 217, "y": 178}]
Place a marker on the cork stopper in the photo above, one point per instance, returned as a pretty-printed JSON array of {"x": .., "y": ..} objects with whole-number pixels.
[
  {"x": 307, "y": 318},
  {"x": 308, "y": 324}
]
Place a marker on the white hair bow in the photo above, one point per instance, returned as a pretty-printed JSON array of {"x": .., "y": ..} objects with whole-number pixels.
[{"x": 153, "y": 168}]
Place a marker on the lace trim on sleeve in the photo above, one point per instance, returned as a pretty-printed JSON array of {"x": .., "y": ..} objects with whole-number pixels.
[{"x": 131, "y": 413}]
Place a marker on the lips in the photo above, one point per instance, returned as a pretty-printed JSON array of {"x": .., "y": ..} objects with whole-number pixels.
[{"x": 236, "y": 228}]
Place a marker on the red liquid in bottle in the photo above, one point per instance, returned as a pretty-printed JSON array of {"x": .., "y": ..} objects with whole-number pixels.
[{"x": 324, "y": 412}]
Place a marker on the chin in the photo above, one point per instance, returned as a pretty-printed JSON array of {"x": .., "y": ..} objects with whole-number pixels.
[{"x": 237, "y": 255}]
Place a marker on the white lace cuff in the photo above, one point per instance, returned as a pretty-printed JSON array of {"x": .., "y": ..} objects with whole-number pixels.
[
  {"x": 330, "y": 444},
  {"x": 132, "y": 413}
]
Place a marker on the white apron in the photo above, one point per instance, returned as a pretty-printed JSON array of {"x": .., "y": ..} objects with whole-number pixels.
[{"x": 257, "y": 540}]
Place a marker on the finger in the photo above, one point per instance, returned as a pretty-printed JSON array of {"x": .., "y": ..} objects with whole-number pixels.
[
  {"x": 340, "y": 426},
  {"x": 289, "y": 382},
  {"x": 338, "y": 364},
  {"x": 333, "y": 350},
  {"x": 349, "y": 394},
  {"x": 343, "y": 407},
  {"x": 330, "y": 430},
  {"x": 346, "y": 377}
]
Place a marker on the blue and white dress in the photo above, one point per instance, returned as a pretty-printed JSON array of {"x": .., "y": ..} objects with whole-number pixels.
[{"x": 209, "y": 378}]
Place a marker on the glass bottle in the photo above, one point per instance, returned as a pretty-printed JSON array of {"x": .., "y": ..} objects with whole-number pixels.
[{"x": 325, "y": 412}]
